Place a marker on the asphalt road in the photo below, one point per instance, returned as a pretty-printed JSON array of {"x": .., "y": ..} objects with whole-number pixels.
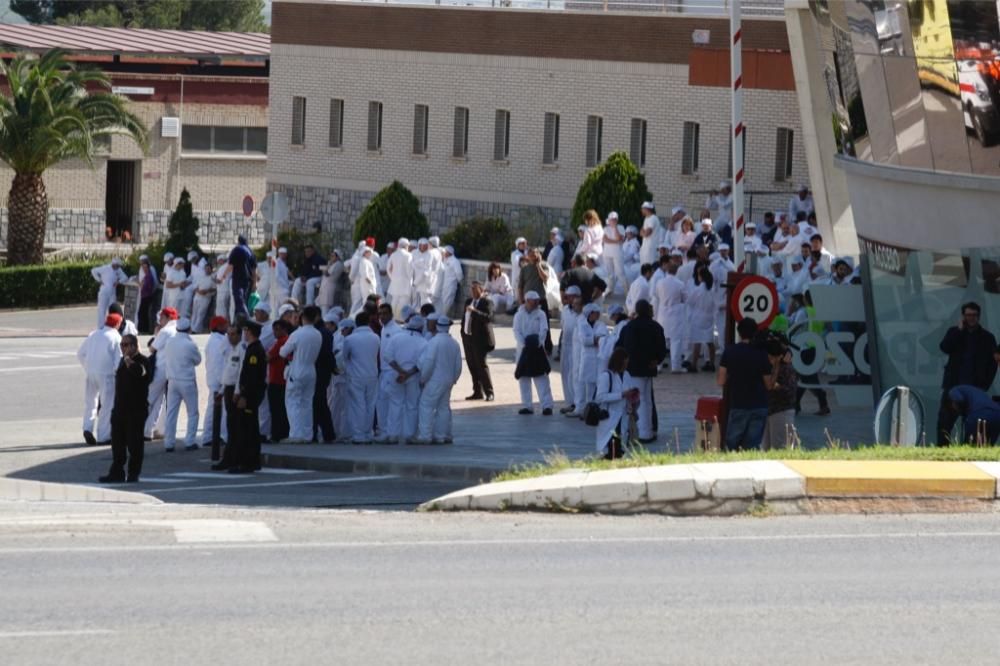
[{"x": 143, "y": 586}]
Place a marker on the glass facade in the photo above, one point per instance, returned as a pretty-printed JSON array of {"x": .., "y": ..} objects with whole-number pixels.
[{"x": 916, "y": 83}]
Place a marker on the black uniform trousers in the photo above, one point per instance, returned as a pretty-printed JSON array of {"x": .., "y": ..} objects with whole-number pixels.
[
  {"x": 279, "y": 417},
  {"x": 248, "y": 438},
  {"x": 322, "y": 419},
  {"x": 127, "y": 445},
  {"x": 229, "y": 458},
  {"x": 475, "y": 358}
]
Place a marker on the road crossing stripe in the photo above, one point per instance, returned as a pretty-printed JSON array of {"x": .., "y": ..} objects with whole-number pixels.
[
  {"x": 40, "y": 367},
  {"x": 273, "y": 484}
]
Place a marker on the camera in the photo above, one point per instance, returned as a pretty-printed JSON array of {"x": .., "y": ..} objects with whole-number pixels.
[{"x": 773, "y": 342}]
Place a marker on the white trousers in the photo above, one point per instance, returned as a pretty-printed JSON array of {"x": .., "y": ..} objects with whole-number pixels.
[
  {"x": 435, "y": 412},
  {"x": 363, "y": 391},
  {"x": 185, "y": 301},
  {"x": 337, "y": 398},
  {"x": 157, "y": 391},
  {"x": 99, "y": 388},
  {"x": 448, "y": 298},
  {"x": 383, "y": 410},
  {"x": 309, "y": 287},
  {"x": 206, "y": 427},
  {"x": 400, "y": 301},
  {"x": 199, "y": 313},
  {"x": 613, "y": 264},
  {"x": 542, "y": 388},
  {"x": 676, "y": 343},
  {"x": 223, "y": 300},
  {"x": 720, "y": 329},
  {"x": 171, "y": 297},
  {"x": 105, "y": 297},
  {"x": 502, "y": 302},
  {"x": 299, "y": 406},
  {"x": 631, "y": 273},
  {"x": 422, "y": 296},
  {"x": 568, "y": 375},
  {"x": 177, "y": 392},
  {"x": 404, "y": 410},
  {"x": 645, "y": 414},
  {"x": 277, "y": 295}
]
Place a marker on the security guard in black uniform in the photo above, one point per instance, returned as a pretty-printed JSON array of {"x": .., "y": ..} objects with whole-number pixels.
[
  {"x": 252, "y": 385},
  {"x": 128, "y": 416}
]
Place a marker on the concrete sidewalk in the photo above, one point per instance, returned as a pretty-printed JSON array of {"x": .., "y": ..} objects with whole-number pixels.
[
  {"x": 735, "y": 488},
  {"x": 491, "y": 437}
]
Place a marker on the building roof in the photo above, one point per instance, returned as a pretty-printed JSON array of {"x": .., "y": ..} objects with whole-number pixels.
[{"x": 138, "y": 42}]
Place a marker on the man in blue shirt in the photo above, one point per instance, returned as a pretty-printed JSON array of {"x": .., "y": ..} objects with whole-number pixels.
[
  {"x": 980, "y": 414},
  {"x": 243, "y": 269}
]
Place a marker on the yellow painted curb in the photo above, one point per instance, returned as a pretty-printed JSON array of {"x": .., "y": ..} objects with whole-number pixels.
[{"x": 889, "y": 477}]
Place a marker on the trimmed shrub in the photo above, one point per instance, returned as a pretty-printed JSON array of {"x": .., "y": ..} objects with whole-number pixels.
[
  {"x": 183, "y": 228},
  {"x": 51, "y": 284},
  {"x": 391, "y": 214},
  {"x": 484, "y": 238},
  {"x": 616, "y": 185}
]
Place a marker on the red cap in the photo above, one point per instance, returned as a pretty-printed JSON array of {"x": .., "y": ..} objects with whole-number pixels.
[
  {"x": 218, "y": 321},
  {"x": 171, "y": 313},
  {"x": 113, "y": 320},
  {"x": 370, "y": 241}
]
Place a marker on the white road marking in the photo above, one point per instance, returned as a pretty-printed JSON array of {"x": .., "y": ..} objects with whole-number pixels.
[
  {"x": 492, "y": 543},
  {"x": 47, "y": 633},
  {"x": 144, "y": 479},
  {"x": 185, "y": 530},
  {"x": 34, "y": 368},
  {"x": 272, "y": 484},
  {"x": 202, "y": 475},
  {"x": 282, "y": 470}
]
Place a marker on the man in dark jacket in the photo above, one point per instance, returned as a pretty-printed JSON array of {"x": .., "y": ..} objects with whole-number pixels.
[
  {"x": 478, "y": 341},
  {"x": 250, "y": 393},
  {"x": 643, "y": 339},
  {"x": 591, "y": 286},
  {"x": 322, "y": 419},
  {"x": 128, "y": 416},
  {"x": 969, "y": 347}
]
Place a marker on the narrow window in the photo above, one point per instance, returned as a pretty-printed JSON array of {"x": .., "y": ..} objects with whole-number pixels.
[
  {"x": 298, "y": 121},
  {"x": 461, "y": 140},
  {"x": 595, "y": 127},
  {"x": 637, "y": 142},
  {"x": 420, "y": 115},
  {"x": 501, "y": 136},
  {"x": 550, "y": 150},
  {"x": 374, "y": 126},
  {"x": 689, "y": 152},
  {"x": 336, "y": 123},
  {"x": 783, "y": 154}
]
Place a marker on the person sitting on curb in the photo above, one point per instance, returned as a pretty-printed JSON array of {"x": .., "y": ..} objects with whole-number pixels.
[{"x": 980, "y": 414}]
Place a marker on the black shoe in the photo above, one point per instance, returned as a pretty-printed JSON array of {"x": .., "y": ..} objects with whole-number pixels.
[
  {"x": 525, "y": 411},
  {"x": 489, "y": 397},
  {"x": 568, "y": 410},
  {"x": 221, "y": 467},
  {"x": 475, "y": 396},
  {"x": 708, "y": 367},
  {"x": 547, "y": 411},
  {"x": 108, "y": 478},
  {"x": 686, "y": 365},
  {"x": 648, "y": 440},
  {"x": 824, "y": 411},
  {"x": 147, "y": 439},
  {"x": 88, "y": 437}
]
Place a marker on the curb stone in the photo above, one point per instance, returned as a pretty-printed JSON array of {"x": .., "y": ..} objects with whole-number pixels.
[{"x": 41, "y": 491}]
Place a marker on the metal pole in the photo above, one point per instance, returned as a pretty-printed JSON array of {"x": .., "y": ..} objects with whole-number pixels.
[{"x": 736, "y": 73}]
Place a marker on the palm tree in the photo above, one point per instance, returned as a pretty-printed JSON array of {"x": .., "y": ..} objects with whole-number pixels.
[{"x": 51, "y": 111}]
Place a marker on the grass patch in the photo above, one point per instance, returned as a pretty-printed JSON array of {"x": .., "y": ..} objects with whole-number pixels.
[{"x": 559, "y": 462}]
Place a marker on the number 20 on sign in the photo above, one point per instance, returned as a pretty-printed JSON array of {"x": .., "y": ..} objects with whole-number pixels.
[{"x": 755, "y": 297}]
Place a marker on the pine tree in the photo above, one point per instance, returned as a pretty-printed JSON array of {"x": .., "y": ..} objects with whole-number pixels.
[
  {"x": 183, "y": 227},
  {"x": 617, "y": 185}
]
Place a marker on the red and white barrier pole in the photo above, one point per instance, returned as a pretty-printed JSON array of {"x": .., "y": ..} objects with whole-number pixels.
[{"x": 736, "y": 70}]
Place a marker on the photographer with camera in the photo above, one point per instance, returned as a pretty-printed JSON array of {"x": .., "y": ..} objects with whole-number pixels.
[{"x": 745, "y": 371}]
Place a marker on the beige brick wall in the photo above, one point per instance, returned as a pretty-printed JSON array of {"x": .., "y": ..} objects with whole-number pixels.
[
  {"x": 528, "y": 87},
  {"x": 214, "y": 183}
]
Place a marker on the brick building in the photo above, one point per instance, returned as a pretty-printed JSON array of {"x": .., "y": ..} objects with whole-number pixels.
[
  {"x": 203, "y": 97},
  {"x": 503, "y": 111}
]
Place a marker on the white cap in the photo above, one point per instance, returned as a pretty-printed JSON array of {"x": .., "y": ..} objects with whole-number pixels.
[
  {"x": 676, "y": 253},
  {"x": 143, "y": 257},
  {"x": 192, "y": 255},
  {"x": 802, "y": 186},
  {"x": 348, "y": 323},
  {"x": 582, "y": 227},
  {"x": 362, "y": 245},
  {"x": 751, "y": 225},
  {"x": 520, "y": 239},
  {"x": 286, "y": 308},
  {"x": 707, "y": 221},
  {"x": 532, "y": 296},
  {"x": 796, "y": 259},
  {"x": 331, "y": 317},
  {"x": 423, "y": 241},
  {"x": 723, "y": 246},
  {"x": 572, "y": 290},
  {"x": 269, "y": 253},
  {"x": 615, "y": 310},
  {"x": 449, "y": 249},
  {"x": 663, "y": 246},
  {"x": 846, "y": 260},
  {"x": 435, "y": 241},
  {"x": 167, "y": 256},
  {"x": 366, "y": 250},
  {"x": 389, "y": 245},
  {"x": 116, "y": 261},
  {"x": 263, "y": 307},
  {"x": 591, "y": 256},
  {"x": 677, "y": 209},
  {"x": 403, "y": 242},
  {"x": 612, "y": 215},
  {"x": 282, "y": 250},
  {"x": 648, "y": 205},
  {"x": 590, "y": 308},
  {"x": 631, "y": 229},
  {"x": 178, "y": 260},
  {"x": 443, "y": 321},
  {"x": 725, "y": 183},
  {"x": 183, "y": 325},
  {"x": 559, "y": 238},
  {"x": 415, "y": 323},
  {"x": 336, "y": 251},
  {"x": 339, "y": 310},
  {"x": 554, "y": 230}
]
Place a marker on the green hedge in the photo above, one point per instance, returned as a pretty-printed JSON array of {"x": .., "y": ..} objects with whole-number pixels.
[{"x": 51, "y": 284}]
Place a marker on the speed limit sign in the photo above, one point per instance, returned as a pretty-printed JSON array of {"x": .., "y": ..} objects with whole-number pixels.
[{"x": 755, "y": 297}]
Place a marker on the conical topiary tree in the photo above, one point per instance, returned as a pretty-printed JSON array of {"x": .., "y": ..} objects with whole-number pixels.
[
  {"x": 392, "y": 213},
  {"x": 183, "y": 227},
  {"x": 616, "y": 185}
]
